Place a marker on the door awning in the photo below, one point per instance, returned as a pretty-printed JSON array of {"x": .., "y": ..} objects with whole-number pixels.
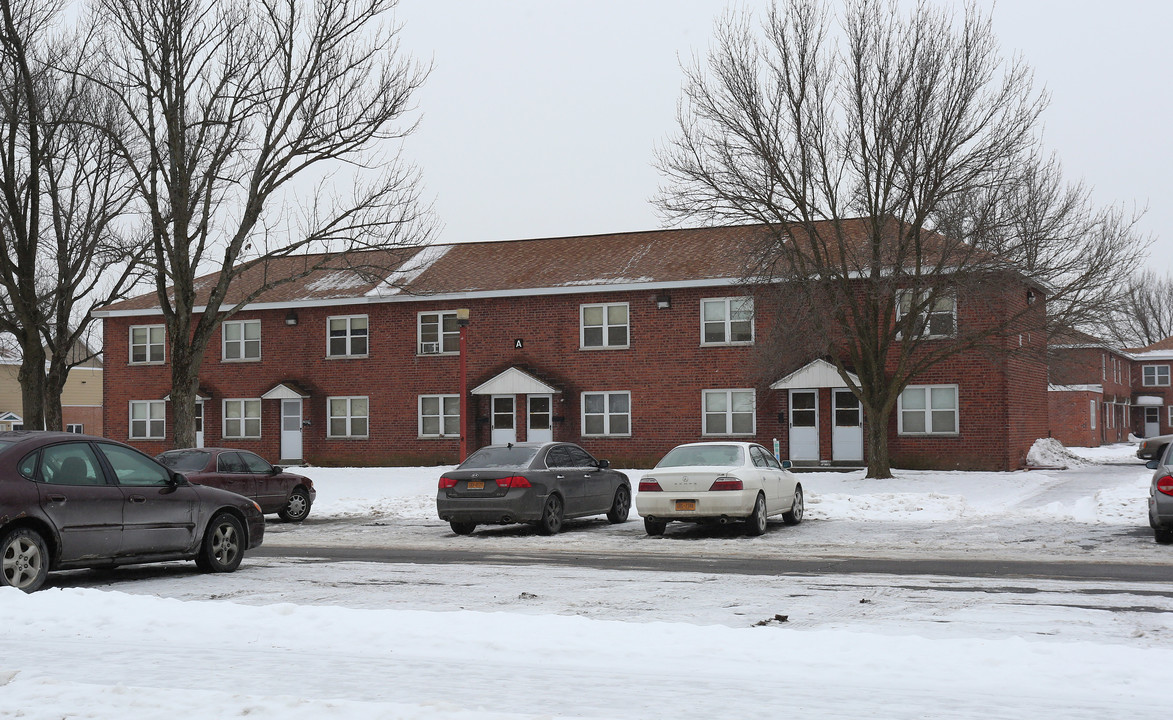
[
  {"x": 514, "y": 381},
  {"x": 285, "y": 391},
  {"x": 815, "y": 374},
  {"x": 10, "y": 417}
]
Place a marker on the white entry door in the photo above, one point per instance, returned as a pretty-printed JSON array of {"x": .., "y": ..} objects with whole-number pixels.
[
  {"x": 291, "y": 429},
  {"x": 1152, "y": 421},
  {"x": 539, "y": 427},
  {"x": 504, "y": 416},
  {"x": 199, "y": 423},
  {"x": 847, "y": 432},
  {"x": 804, "y": 424}
]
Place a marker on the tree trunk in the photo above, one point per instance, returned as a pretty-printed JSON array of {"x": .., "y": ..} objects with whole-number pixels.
[
  {"x": 879, "y": 464},
  {"x": 32, "y": 388},
  {"x": 185, "y": 371},
  {"x": 54, "y": 386}
]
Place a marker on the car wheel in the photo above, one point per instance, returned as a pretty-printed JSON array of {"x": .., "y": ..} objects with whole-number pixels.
[
  {"x": 1162, "y": 535},
  {"x": 223, "y": 546},
  {"x": 655, "y": 527},
  {"x": 297, "y": 508},
  {"x": 794, "y": 517},
  {"x": 755, "y": 524},
  {"x": 620, "y": 506},
  {"x": 463, "y": 528},
  {"x": 25, "y": 559},
  {"x": 551, "y": 521}
]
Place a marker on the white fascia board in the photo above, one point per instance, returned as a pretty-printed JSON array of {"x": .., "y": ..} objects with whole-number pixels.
[
  {"x": 1076, "y": 388},
  {"x": 469, "y": 295}
]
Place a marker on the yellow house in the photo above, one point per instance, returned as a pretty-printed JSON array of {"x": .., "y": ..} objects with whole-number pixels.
[{"x": 81, "y": 401}]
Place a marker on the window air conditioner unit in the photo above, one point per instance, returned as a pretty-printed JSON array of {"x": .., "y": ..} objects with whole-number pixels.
[{"x": 432, "y": 348}]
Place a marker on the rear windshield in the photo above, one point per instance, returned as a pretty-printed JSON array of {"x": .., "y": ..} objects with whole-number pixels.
[
  {"x": 493, "y": 457},
  {"x": 693, "y": 455},
  {"x": 184, "y": 460}
]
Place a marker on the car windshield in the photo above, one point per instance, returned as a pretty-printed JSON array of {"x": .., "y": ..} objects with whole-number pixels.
[
  {"x": 184, "y": 460},
  {"x": 698, "y": 455},
  {"x": 494, "y": 457}
]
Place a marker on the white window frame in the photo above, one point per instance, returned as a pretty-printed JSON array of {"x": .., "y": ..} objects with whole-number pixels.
[
  {"x": 349, "y": 417},
  {"x": 442, "y": 417},
  {"x": 1171, "y": 415},
  {"x": 436, "y": 347},
  {"x": 607, "y": 415},
  {"x": 606, "y": 326},
  {"x": 77, "y": 428},
  {"x": 728, "y": 412},
  {"x": 161, "y": 344},
  {"x": 244, "y": 406},
  {"x": 917, "y": 298},
  {"x": 156, "y": 419},
  {"x": 928, "y": 411},
  {"x": 1093, "y": 413},
  {"x": 243, "y": 344},
  {"x": 1156, "y": 379},
  {"x": 350, "y": 336},
  {"x": 728, "y": 302}
]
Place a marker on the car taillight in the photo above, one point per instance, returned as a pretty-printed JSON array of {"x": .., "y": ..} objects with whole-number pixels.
[
  {"x": 650, "y": 485},
  {"x": 1165, "y": 485},
  {"x": 447, "y": 482},
  {"x": 727, "y": 483},
  {"x": 516, "y": 481}
]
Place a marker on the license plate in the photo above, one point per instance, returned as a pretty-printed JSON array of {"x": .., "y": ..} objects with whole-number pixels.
[
  {"x": 686, "y": 505},
  {"x": 476, "y": 484}
]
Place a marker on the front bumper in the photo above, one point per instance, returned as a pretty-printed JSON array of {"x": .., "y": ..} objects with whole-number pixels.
[{"x": 256, "y": 529}]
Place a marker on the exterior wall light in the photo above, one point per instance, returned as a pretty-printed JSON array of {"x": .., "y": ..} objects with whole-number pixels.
[
  {"x": 291, "y": 317},
  {"x": 663, "y": 301}
]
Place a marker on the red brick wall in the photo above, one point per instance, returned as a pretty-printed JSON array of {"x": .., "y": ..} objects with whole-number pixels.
[
  {"x": 1071, "y": 418},
  {"x": 665, "y": 369}
]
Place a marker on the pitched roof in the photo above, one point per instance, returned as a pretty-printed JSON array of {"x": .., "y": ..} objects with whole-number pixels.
[
  {"x": 654, "y": 258},
  {"x": 1160, "y": 350}
]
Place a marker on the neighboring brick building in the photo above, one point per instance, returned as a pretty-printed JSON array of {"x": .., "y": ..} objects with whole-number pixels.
[
  {"x": 1091, "y": 393},
  {"x": 1153, "y": 400},
  {"x": 627, "y": 343}
]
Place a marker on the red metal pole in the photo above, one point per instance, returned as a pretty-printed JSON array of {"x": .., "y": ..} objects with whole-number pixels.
[{"x": 463, "y": 395}]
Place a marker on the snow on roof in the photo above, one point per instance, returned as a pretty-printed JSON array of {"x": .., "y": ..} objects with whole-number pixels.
[{"x": 409, "y": 271}]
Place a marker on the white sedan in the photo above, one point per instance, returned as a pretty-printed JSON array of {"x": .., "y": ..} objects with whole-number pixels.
[{"x": 718, "y": 481}]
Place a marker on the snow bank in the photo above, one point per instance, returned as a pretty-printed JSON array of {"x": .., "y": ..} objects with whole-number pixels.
[{"x": 1049, "y": 452}]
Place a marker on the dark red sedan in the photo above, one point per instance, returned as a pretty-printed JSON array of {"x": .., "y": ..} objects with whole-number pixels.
[
  {"x": 240, "y": 471},
  {"x": 75, "y": 501}
]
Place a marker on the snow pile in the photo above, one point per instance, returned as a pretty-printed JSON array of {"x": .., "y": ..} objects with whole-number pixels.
[{"x": 1049, "y": 452}]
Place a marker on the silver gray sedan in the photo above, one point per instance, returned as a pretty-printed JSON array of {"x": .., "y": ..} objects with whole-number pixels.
[
  {"x": 1161, "y": 496},
  {"x": 542, "y": 483}
]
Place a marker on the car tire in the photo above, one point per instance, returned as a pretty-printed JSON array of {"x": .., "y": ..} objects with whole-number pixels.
[
  {"x": 297, "y": 508},
  {"x": 463, "y": 528},
  {"x": 655, "y": 527},
  {"x": 25, "y": 560},
  {"x": 551, "y": 521},
  {"x": 797, "y": 510},
  {"x": 620, "y": 506},
  {"x": 1161, "y": 534},
  {"x": 755, "y": 524},
  {"x": 223, "y": 546}
]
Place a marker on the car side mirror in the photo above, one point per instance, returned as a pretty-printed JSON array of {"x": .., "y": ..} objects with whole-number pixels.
[
  {"x": 786, "y": 464},
  {"x": 1151, "y": 464},
  {"x": 277, "y": 469},
  {"x": 178, "y": 478},
  {"x": 604, "y": 464}
]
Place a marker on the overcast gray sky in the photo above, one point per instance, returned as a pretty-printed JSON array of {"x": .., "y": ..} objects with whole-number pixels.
[{"x": 541, "y": 117}]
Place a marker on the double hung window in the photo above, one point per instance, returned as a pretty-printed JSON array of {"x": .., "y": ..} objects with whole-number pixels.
[
  {"x": 241, "y": 340},
  {"x": 439, "y": 333},
  {"x": 148, "y": 419},
  {"x": 242, "y": 418},
  {"x": 346, "y": 336},
  {"x": 439, "y": 416},
  {"x": 606, "y": 413},
  {"x": 729, "y": 412},
  {"x": 928, "y": 410},
  {"x": 604, "y": 326},
  {"x": 727, "y": 321},
  {"x": 147, "y": 343},
  {"x": 349, "y": 417}
]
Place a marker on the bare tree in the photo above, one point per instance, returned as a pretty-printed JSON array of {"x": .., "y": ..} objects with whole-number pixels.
[
  {"x": 230, "y": 104},
  {"x": 63, "y": 198},
  {"x": 1144, "y": 313},
  {"x": 858, "y": 147}
]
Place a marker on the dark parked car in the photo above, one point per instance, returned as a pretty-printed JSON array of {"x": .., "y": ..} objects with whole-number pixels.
[
  {"x": 75, "y": 501},
  {"x": 240, "y": 471},
  {"x": 1161, "y": 497},
  {"x": 541, "y": 483}
]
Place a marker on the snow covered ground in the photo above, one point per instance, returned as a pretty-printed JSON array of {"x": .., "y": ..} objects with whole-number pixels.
[{"x": 298, "y": 637}]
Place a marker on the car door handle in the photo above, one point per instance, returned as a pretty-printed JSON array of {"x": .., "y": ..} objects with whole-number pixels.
[
  {"x": 56, "y": 498},
  {"x": 137, "y": 499},
  {"x": 560, "y": 477}
]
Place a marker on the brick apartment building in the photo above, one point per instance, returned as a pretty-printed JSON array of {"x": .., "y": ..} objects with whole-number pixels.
[{"x": 627, "y": 344}]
